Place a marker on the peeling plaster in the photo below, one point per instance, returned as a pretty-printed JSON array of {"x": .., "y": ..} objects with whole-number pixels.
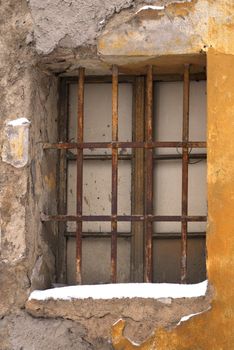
[{"x": 77, "y": 20}]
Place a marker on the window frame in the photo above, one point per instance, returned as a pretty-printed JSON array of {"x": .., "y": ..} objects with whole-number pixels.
[{"x": 143, "y": 91}]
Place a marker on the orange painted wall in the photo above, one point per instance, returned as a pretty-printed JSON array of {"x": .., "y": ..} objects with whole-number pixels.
[{"x": 214, "y": 329}]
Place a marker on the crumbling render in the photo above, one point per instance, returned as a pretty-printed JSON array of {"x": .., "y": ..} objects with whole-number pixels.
[
  {"x": 121, "y": 342},
  {"x": 144, "y": 307}
]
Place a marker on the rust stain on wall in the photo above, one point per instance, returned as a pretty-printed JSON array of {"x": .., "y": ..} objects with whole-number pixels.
[{"x": 50, "y": 181}]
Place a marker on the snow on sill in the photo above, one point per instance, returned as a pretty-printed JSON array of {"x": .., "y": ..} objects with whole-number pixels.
[
  {"x": 186, "y": 318},
  {"x": 18, "y": 122},
  {"x": 123, "y": 290}
]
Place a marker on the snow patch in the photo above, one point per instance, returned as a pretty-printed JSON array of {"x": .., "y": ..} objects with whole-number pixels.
[
  {"x": 186, "y": 318},
  {"x": 18, "y": 122},
  {"x": 133, "y": 342},
  {"x": 151, "y": 7},
  {"x": 123, "y": 290},
  {"x": 115, "y": 323},
  {"x": 160, "y": 8}
]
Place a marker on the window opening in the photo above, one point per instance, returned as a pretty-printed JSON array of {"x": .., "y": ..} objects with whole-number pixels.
[{"x": 142, "y": 154}]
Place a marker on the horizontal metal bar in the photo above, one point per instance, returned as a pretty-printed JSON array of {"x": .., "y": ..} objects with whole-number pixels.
[
  {"x": 156, "y": 144},
  {"x": 103, "y": 79},
  {"x": 158, "y": 235},
  {"x": 198, "y": 156},
  {"x": 123, "y": 218}
]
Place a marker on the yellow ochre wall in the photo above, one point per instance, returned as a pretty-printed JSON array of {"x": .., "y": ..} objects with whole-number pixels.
[{"x": 214, "y": 329}]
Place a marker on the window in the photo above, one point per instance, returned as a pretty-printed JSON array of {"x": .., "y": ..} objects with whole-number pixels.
[{"x": 138, "y": 141}]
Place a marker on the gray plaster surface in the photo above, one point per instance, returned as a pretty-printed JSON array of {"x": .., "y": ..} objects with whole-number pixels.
[{"x": 71, "y": 23}]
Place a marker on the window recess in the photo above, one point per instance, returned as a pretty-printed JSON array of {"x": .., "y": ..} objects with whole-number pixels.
[{"x": 143, "y": 151}]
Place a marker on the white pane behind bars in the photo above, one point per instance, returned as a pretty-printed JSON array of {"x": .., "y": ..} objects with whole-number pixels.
[
  {"x": 97, "y": 182},
  {"x": 168, "y": 119}
]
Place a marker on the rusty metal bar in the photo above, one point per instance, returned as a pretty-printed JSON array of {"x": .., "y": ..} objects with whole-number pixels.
[
  {"x": 79, "y": 188},
  {"x": 102, "y": 157},
  {"x": 185, "y": 161},
  {"x": 158, "y": 235},
  {"x": 138, "y": 195},
  {"x": 150, "y": 145},
  {"x": 61, "y": 253},
  {"x": 114, "y": 186},
  {"x": 148, "y": 273},
  {"x": 123, "y": 78},
  {"x": 123, "y": 218}
]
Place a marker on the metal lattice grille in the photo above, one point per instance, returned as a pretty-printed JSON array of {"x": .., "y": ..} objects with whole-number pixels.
[{"x": 147, "y": 144}]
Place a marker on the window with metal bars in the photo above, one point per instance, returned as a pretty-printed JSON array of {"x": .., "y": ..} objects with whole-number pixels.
[{"x": 143, "y": 151}]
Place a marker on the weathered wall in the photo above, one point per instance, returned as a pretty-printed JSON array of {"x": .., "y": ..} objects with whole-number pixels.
[
  {"x": 39, "y": 37},
  {"x": 15, "y": 103},
  {"x": 26, "y": 92},
  {"x": 142, "y": 315}
]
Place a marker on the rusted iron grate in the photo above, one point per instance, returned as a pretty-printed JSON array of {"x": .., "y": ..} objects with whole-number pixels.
[{"x": 147, "y": 145}]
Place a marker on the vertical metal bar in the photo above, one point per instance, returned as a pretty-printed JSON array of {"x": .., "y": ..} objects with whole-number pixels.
[
  {"x": 185, "y": 159},
  {"x": 114, "y": 188},
  {"x": 61, "y": 261},
  {"x": 79, "y": 188},
  {"x": 137, "y": 228},
  {"x": 149, "y": 177}
]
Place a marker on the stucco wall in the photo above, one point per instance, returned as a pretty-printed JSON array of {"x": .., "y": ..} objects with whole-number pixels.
[{"x": 26, "y": 251}]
